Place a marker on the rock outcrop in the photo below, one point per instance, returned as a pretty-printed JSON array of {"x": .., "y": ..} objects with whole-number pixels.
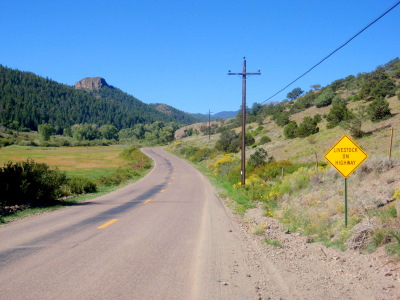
[{"x": 91, "y": 83}]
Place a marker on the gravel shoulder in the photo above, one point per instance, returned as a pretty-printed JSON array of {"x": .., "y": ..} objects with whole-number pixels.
[{"x": 296, "y": 268}]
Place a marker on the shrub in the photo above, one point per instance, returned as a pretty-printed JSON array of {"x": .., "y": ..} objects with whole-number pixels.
[
  {"x": 282, "y": 118},
  {"x": 353, "y": 98},
  {"x": 378, "y": 110},
  {"x": 249, "y": 140},
  {"x": 354, "y": 125},
  {"x": 325, "y": 98},
  {"x": 338, "y": 99},
  {"x": 189, "y": 150},
  {"x": 307, "y": 127},
  {"x": 264, "y": 140},
  {"x": 273, "y": 169},
  {"x": 258, "y": 158},
  {"x": 5, "y": 143},
  {"x": 225, "y": 165},
  {"x": 304, "y": 102},
  {"x": 119, "y": 176},
  {"x": 31, "y": 183},
  {"x": 228, "y": 142},
  {"x": 317, "y": 118},
  {"x": 81, "y": 185},
  {"x": 136, "y": 157},
  {"x": 338, "y": 113},
  {"x": 290, "y": 130},
  {"x": 201, "y": 154}
]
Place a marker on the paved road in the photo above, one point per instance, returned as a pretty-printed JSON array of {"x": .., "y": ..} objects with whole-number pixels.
[{"x": 166, "y": 236}]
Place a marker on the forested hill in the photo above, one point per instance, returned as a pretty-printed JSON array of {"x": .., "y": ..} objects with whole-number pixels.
[{"x": 28, "y": 100}]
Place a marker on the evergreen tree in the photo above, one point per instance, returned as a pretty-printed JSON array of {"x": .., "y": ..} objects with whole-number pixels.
[
  {"x": 338, "y": 113},
  {"x": 290, "y": 130},
  {"x": 307, "y": 127},
  {"x": 378, "y": 110}
]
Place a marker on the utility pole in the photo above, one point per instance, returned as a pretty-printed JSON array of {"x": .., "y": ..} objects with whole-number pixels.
[
  {"x": 209, "y": 124},
  {"x": 244, "y": 76}
]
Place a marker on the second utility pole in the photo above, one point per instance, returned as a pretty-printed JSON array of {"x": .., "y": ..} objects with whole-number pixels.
[{"x": 244, "y": 76}]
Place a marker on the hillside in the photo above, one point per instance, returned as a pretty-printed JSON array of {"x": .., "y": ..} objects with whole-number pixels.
[
  {"x": 177, "y": 114},
  {"x": 355, "y": 93},
  {"x": 288, "y": 177},
  {"x": 28, "y": 100},
  {"x": 216, "y": 116}
]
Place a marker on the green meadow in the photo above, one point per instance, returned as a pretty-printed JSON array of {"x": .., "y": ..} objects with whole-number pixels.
[{"x": 90, "y": 162}]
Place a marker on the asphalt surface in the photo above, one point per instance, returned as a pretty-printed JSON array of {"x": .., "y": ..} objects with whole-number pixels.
[{"x": 166, "y": 236}]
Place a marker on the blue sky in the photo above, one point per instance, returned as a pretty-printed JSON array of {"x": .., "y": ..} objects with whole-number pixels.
[{"x": 179, "y": 52}]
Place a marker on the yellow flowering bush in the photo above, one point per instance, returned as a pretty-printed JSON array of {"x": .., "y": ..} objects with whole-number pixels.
[
  {"x": 396, "y": 194},
  {"x": 225, "y": 165}
]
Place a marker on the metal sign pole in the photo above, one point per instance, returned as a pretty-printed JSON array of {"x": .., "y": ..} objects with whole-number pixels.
[{"x": 345, "y": 202}]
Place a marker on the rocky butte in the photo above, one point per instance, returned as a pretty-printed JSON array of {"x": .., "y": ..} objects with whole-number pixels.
[{"x": 91, "y": 83}]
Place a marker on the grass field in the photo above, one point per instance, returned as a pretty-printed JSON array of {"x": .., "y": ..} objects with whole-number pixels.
[{"x": 91, "y": 162}]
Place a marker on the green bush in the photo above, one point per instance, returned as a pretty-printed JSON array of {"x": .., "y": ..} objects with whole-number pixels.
[
  {"x": 136, "y": 157},
  {"x": 234, "y": 173},
  {"x": 317, "y": 118},
  {"x": 259, "y": 158},
  {"x": 264, "y": 140},
  {"x": 228, "y": 142},
  {"x": 202, "y": 154},
  {"x": 290, "y": 130},
  {"x": 307, "y": 127},
  {"x": 81, "y": 185},
  {"x": 119, "y": 176},
  {"x": 5, "y": 143},
  {"x": 31, "y": 183},
  {"x": 304, "y": 102},
  {"x": 353, "y": 98},
  {"x": 249, "y": 140},
  {"x": 337, "y": 114},
  {"x": 189, "y": 151},
  {"x": 273, "y": 169},
  {"x": 378, "y": 110},
  {"x": 282, "y": 118},
  {"x": 325, "y": 98}
]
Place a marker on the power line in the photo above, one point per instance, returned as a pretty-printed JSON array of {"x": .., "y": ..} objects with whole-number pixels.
[{"x": 336, "y": 50}]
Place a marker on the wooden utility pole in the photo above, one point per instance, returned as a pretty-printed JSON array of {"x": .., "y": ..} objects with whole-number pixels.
[
  {"x": 209, "y": 124},
  {"x": 244, "y": 76}
]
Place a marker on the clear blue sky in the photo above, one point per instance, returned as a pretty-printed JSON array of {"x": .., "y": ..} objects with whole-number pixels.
[{"x": 179, "y": 52}]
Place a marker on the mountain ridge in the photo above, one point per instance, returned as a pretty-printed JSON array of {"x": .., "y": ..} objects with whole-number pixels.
[{"x": 28, "y": 100}]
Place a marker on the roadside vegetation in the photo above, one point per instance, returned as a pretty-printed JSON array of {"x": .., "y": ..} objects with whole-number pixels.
[
  {"x": 287, "y": 176},
  {"x": 29, "y": 185}
]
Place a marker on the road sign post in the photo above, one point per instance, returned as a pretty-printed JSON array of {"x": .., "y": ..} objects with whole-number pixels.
[
  {"x": 346, "y": 156},
  {"x": 345, "y": 202}
]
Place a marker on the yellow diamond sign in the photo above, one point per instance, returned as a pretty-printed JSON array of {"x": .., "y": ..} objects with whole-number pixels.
[{"x": 346, "y": 156}]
